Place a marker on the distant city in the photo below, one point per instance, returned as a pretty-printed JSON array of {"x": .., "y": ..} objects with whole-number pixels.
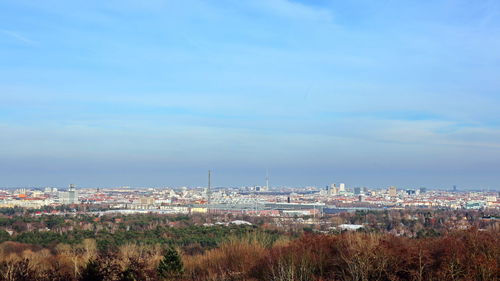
[{"x": 249, "y": 200}]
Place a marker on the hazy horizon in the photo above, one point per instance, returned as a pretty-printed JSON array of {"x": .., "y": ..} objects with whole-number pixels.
[{"x": 370, "y": 93}]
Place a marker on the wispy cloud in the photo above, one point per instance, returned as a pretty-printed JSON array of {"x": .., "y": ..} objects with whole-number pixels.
[
  {"x": 295, "y": 10},
  {"x": 18, "y": 37},
  {"x": 338, "y": 87}
]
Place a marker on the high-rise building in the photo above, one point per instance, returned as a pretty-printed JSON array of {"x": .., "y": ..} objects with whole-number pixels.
[
  {"x": 342, "y": 187},
  {"x": 392, "y": 191},
  {"x": 411, "y": 191},
  {"x": 333, "y": 189},
  {"x": 70, "y": 196},
  {"x": 357, "y": 190}
]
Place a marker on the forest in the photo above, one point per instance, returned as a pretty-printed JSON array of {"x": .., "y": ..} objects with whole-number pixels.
[{"x": 158, "y": 247}]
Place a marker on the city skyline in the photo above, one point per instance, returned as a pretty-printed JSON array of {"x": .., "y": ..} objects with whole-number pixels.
[
  {"x": 147, "y": 94},
  {"x": 267, "y": 187}
]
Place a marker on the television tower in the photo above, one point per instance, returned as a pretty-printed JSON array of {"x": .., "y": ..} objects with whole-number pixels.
[
  {"x": 267, "y": 179},
  {"x": 209, "y": 191}
]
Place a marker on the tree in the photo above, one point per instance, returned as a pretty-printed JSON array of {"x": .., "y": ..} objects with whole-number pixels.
[
  {"x": 138, "y": 270},
  {"x": 4, "y": 235},
  {"x": 171, "y": 265},
  {"x": 22, "y": 270},
  {"x": 104, "y": 268},
  {"x": 91, "y": 272}
]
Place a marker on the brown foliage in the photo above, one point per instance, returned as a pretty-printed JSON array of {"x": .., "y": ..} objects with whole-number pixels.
[
  {"x": 461, "y": 255},
  {"x": 233, "y": 260},
  {"x": 471, "y": 255}
]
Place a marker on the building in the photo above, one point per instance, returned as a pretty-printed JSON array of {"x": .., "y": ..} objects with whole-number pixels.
[
  {"x": 147, "y": 201},
  {"x": 411, "y": 191},
  {"x": 70, "y": 196},
  {"x": 352, "y": 227},
  {"x": 333, "y": 190},
  {"x": 392, "y": 191}
]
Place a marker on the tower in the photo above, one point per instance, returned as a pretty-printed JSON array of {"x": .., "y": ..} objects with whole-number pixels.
[
  {"x": 333, "y": 189},
  {"x": 392, "y": 191},
  {"x": 342, "y": 187},
  {"x": 209, "y": 191},
  {"x": 72, "y": 194},
  {"x": 267, "y": 180}
]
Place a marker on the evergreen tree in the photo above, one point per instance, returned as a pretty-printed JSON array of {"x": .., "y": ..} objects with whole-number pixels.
[
  {"x": 171, "y": 265},
  {"x": 91, "y": 272}
]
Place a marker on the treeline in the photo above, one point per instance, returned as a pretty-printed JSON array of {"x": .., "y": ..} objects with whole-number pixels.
[
  {"x": 459, "y": 255},
  {"x": 47, "y": 209},
  {"x": 190, "y": 238},
  {"x": 419, "y": 222},
  {"x": 113, "y": 231},
  {"x": 196, "y": 233}
]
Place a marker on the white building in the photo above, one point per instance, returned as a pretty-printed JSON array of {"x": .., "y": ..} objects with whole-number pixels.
[
  {"x": 70, "y": 196},
  {"x": 342, "y": 187}
]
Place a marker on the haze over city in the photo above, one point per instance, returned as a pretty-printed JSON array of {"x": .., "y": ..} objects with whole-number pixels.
[{"x": 369, "y": 93}]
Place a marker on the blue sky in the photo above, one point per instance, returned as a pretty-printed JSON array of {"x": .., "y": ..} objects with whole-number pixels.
[{"x": 371, "y": 93}]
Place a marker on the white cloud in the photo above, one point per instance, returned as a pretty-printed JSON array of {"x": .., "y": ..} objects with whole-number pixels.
[
  {"x": 17, "y": 36},
  {"x": 295, "y": 10}
]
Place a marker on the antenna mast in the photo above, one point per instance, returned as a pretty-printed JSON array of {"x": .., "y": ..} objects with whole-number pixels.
[
  {"x": 267, "y": 179},
  {"x": 209, "y": 191}
]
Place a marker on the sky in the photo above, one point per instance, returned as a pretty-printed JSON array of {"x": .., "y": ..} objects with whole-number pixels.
[{"x": 155, "y": 93}]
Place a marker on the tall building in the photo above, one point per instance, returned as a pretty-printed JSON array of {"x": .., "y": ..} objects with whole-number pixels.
[
  {"x": 333, "y": 189},
  {"x": 70, "y": 196},
  {"x": 357, "y": 190},
  {"x": 392, "y": 191},
  {"x": 342, "y": 187}
]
